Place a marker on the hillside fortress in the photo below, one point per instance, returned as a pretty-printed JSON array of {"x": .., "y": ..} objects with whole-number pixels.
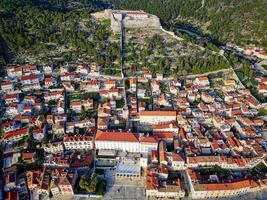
[{"x": 129, "y": 19}]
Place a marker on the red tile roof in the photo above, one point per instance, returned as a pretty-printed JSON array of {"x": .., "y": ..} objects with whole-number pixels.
[
  {"x": 247, "y": 183},
  {"x": 177, "y": 157},
  {"x": 27, "y": 156},
  {"x": 76, "y": 138},
  {"x": 29, "y": 67},
  {"x": 83, "y": 161},
  {"x": 165, "y": 126},
  {"x": 148, "y": 140},
  {"x": 11, "y": 96},
  {"x": 114, "y": 90},
  {"x": 29, "y": 77},
  {"x": 262, "y": 86},
  {"x": 116, "y": 136},
  {"x": 6, "y": 83},
  {"x": 89, "y": 83},
  {"x": 163, "y": 135},
  {"x": 203, "y": 78},
  {"x": 133, "y": 81},
  {"x": 48, "y": 79},
  {"x": 158, "y": 113},
  {"x": 11, "y": 134},
  {"x": 110, "y": 82}
]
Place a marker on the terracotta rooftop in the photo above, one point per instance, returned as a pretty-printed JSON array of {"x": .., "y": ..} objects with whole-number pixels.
[
  {"x": 27, "y": 156},
  {"x": 116, "y": 136},
  {"x": 147, "y": 140},
  {"x": 237, "y": 185},
  {"x": 110, "y": 82},
  {"x": 163, "y": 135},
  {"x": 16, "y": 133},
  {"x": 158, "y": 113},
  {"x": 203, "y": 78}
]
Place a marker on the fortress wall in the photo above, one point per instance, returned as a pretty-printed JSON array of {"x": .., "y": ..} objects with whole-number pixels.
[
  {"x": 115, "y": 22},
  {"x": 141, "y": 23},
  {"x": 108, "y": 13},
  {"x": 131, "y": 21}
]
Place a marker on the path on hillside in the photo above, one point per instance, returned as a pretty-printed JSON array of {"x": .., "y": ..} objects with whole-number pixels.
[
  {"x": 123, "y": 71},
  {"x": 207, "y": 73}
]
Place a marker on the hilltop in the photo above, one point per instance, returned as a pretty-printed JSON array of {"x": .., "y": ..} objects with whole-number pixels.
[{"x": 148, "y": 46}]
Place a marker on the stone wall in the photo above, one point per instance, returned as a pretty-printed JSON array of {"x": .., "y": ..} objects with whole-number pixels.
[
  {"x": 151, "y": 21},
  {"x": 115, "y": 22}
]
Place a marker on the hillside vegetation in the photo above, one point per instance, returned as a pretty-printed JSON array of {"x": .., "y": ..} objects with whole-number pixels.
[
  {"x": 58, "y": 31},
  {"x": 241, "y": 22},
  {"x": 158, "y": 52}
]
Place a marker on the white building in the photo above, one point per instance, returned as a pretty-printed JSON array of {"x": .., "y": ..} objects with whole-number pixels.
[
  {"x": 147, "y": 144},
  {"x": 90, "y": 86},
  {"x": 178, "y": 163},
  {"x": 109, "y": 84},
  {"x": 157, "y": 117},
  {"x": 54, "y": 96},
  {"x": 202, "y": 81},
  {"x": 16, "y": 135},
  {"x": 155, "y": 87},
  {"x": 117, "y": 141},
  {"x": 78, "y": 142},
  {"x": 53, "y": 147},
  {"x": 7, "y": 86},
  {"x": 30, "y": 79},
  {"x": 47, "y": 69},
  {"x": 111, "y": 93},
  {"x": 168, "y": 127},
  {"x": 219, "y": 190},
  {"x": 133, "y": 84},
  {"x": 11, "y": 98},
  {"x": 14, "y": 71}
]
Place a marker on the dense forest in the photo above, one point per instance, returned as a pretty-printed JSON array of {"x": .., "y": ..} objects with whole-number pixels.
[
  {"x": 241, "y": 22},
  {"x": 38, "y": 31}
]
